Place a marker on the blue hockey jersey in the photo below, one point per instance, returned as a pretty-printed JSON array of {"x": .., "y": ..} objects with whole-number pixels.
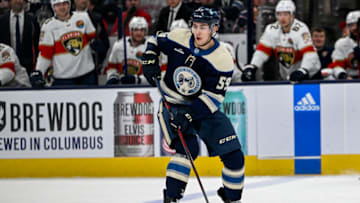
[{"x": 195, "y": 77}]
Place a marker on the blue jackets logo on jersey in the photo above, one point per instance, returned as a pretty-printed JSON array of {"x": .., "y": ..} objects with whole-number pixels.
[{"x": 186, "y": 80}]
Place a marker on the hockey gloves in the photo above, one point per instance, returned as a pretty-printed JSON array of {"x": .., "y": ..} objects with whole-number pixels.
[
  {"x": 151, "y": 68},
  {"x": 114, "y": 79},
  {"x": 249, "y": 73},
  {"x": 37, "y": 80},
  {"x": 342, "y": 76},
  {"x": 128, "y": 79},
  {"x": 299, "y": 75},
  {"x": 181, "y": 121}
]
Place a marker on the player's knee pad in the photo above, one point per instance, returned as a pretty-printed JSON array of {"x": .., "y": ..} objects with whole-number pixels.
[
  {"x": 179, "y": 168},
  {"x": 233, "y": 174},
  {"x": 192, "y": 144}
]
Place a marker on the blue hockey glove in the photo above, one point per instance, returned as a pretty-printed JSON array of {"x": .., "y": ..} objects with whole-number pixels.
[
  {"x": 128, "y": 79},
  {"x": 299, "y": 75},
  {"x": 151, "y": 68},
  {"x": 114, "y": 79},
  {"x": 181, "y": 121},
  {"x": 37, "y": 80},
  {"x": 249, "y": 73}
]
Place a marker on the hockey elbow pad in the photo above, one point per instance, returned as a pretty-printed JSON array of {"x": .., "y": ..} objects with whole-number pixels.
[{"x": 249, "y": 73}]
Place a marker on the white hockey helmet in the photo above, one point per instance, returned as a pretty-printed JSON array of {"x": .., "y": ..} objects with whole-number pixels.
[
  {"x": 54, "y": 2},
  {"x": 285, "y": 6},
  {"x": 352, "y": 17},
  {"x": 138, "y": 22},
  {"x": 180, "y": 23}
]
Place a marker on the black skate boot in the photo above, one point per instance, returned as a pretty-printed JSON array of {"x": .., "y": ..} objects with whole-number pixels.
[
  {"x": 169, "y": 199},
  {"x": 221, "y": 193}
]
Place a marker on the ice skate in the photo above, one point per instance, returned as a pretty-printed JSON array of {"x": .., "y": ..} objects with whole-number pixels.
[
  {"x": 169, "y": 199},
  {"x": 221, "y": 193}
]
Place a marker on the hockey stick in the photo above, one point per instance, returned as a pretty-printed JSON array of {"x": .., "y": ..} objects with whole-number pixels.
[
  {"x": 129, "y": 15},
  {"x": 182, "y": 140},
  {"x": 236, "y": 58}
]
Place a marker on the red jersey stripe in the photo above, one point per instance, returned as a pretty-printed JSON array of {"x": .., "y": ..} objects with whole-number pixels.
[
  {"x": 265, "y": 49},
  {"x": 9, "y": 65},
  {"x": 46, "y": 51}
]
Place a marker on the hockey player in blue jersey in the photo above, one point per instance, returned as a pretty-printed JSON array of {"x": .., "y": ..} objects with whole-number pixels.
[{"x": 198, "y": 73}]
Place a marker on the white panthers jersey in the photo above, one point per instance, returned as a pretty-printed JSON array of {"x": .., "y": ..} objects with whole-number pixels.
[
  {"x": 293, "y": 50},
  {"x": 12, "y": 74},
  {"x": 65, "y": 44},
  {"x": 342, "y": 55},
  {"x": 133, "y": 54}
]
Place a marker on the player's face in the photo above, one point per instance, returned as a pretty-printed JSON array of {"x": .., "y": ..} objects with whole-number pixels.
[
  {"x": 207, "y": 2},
  {"x": 353, "y": 28},
  {"x": 138, "y": 35},
  {"x": 284, "y": 18},
  {"x": 318, "y": 39},
  {"x": 202, "y": 33},
  {"x": 62, "y": 10},
  {"x": 81, "y": 5},
  {"x": 131, "y": 3}
]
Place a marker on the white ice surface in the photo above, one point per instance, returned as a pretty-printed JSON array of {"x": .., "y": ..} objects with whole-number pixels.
[{"x": 278, "y": 189}]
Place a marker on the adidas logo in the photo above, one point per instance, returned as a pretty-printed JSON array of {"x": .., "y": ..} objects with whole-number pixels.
[
  {"x": 307, "y": 103},
  {"x": 179, "y": 50}
]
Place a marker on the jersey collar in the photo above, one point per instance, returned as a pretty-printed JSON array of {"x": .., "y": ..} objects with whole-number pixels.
[{"x": 201, "y": 52}]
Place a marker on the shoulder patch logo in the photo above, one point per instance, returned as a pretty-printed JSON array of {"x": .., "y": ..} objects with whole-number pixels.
[
  {"x": 41, "y": 36},
  {"x": 72, "y": 42},
  {"x": 186, "y": 80},
  {"x": 80, "y": 23},
  {"x": 307, "y": 103},
  {"x": 306, "y": 37},
  {"x": 5, "y": 56}
]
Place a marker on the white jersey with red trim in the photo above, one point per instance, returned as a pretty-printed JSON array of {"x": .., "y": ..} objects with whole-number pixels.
[
  {"x": 133, "y": 54},
  {"x": 293, "y": 50},
  {"x": 65, "y": 44},
  {"x": 12, "y": 74},
  {"x": 342, "y": 55}
]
